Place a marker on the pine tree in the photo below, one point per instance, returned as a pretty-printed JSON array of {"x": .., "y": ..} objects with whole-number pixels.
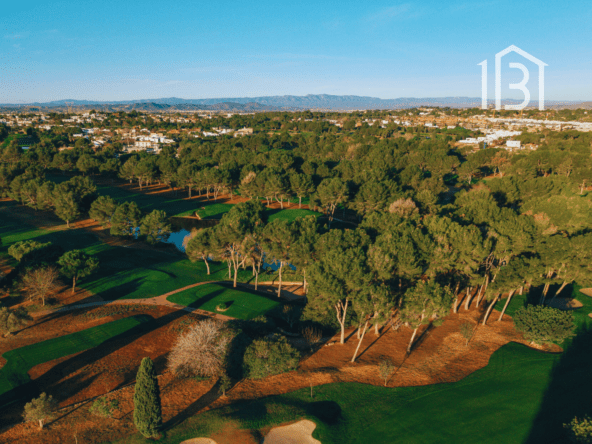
[{"x": 147, "y": 408}]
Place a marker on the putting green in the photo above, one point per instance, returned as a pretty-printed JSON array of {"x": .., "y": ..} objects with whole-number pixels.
[{"x": 244, "y": 304}]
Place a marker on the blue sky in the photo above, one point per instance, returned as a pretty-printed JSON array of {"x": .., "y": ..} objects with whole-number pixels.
[{"x": 124, "y": 50}]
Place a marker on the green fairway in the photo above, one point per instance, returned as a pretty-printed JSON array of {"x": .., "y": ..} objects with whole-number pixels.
[
  {"x": 21, "y": 360},
  {"x": 214, "y": 211},
  {"x": 522, "y": 396},
  {"x": 245, "y": 305},
  {"x": 124, "y": 273},
  {"x": 290, "y": 214}
]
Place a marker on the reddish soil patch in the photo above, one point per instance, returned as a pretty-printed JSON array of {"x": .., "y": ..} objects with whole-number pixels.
[{"x": 440, "y": 356}]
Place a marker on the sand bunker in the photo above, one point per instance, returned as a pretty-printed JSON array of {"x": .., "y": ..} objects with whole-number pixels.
[
  {"x": 199, "y": 441},
  {"x": 564, "y": 303},
  {"x": 586, "y": 291},
  {"x": 297, "y": 433}
]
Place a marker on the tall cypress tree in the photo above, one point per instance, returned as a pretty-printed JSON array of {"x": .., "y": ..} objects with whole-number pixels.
[{"x": 147, "y": 408}]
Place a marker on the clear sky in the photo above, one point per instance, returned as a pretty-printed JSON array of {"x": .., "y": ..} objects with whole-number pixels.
[{"x": 126, "y": 49}]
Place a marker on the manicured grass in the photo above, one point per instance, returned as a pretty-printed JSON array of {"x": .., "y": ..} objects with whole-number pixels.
[
  {"x": 124, "y": 273},
  {"x": 214, "y": 211},
  {"x": 522, "y": 396},
  {"x": 217, "y": 210},
  {"x": 290, "y": 214},
  {"x": 128, "y": 273},
  {"x": 245, "y": 305},
  {"x": 21, "y": 360}
]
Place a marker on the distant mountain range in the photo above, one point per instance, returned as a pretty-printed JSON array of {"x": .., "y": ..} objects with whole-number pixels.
[{"x": 269, "y": 103}]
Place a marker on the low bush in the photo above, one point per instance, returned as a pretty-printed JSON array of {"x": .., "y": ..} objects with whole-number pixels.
[
  {"x": 542, "y": 324},
  {"x": 200, "y": 351},
  {"x": 104, "y": 407},
  {"x": 580, "y": 430},
  {"x": 269, "y": 356}
]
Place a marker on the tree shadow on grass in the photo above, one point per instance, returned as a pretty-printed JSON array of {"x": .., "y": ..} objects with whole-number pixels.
[
  {"x": 568, "y": 392},
  {"x": 53, "y": 381},
  {"x": 118, "y": 291}
]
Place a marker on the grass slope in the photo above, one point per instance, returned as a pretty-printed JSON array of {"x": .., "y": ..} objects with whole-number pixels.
[
  {"x": 522, "y": 396},
  {"x": 245, "y": 305},
  {"x": 21, "y": 360}
]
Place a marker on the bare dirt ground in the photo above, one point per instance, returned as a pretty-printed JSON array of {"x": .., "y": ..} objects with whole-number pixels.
[{"x": 440, "y": 356}]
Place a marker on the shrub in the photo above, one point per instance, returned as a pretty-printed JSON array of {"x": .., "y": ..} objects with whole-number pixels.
[
  {"x": 466, "y": 330},
  {"x": 385, "y": 369},
  {"x": 542, "y": 324},
  {"x": 200, "y": 351},
  {"x": 40, "y": 409},
  {"x": 291, "y": 314},
  {"x": 224, "y": 384},
  {"x": 104, "y": 407},
  {"x": 13, "y": 320},
  {"x": 258, "y": 326},
  {"x": 580, "y": 430},
  {"x": 20, "y": 250},
  {"x": 312, "y": 335},
  {"x": 269, "y": 356}
]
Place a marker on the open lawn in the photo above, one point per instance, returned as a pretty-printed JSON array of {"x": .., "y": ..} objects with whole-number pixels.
[
  {"x": 21, "y": 360},
  {"x": 245, "y": 305},
  {"x": 522, "y": 396}
]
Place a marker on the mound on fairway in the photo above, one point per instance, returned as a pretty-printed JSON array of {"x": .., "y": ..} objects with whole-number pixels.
[
  {"x": 21, "y": 360},
  {"x": 244, "y": 304}
]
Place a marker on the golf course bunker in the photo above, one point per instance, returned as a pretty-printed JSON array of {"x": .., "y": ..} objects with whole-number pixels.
[
  {"x": 298, "y": 433},
  {"x": 200, "y": 441},
  {"x": 565, "y": 303},
  {"x": 586, "y": 291}
]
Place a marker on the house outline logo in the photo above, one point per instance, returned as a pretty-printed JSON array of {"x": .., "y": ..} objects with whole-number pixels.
[{"x": 520, "y": 86}]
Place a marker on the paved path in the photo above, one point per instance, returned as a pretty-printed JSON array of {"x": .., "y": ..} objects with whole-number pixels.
[{"x": 157, "y": 300}]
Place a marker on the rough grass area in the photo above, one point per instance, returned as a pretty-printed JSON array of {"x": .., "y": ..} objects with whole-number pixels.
[
  {"x": 21, "y": 360},
  {"x": 523, "y": 396},
  {"x": 244, "y": 304}
]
